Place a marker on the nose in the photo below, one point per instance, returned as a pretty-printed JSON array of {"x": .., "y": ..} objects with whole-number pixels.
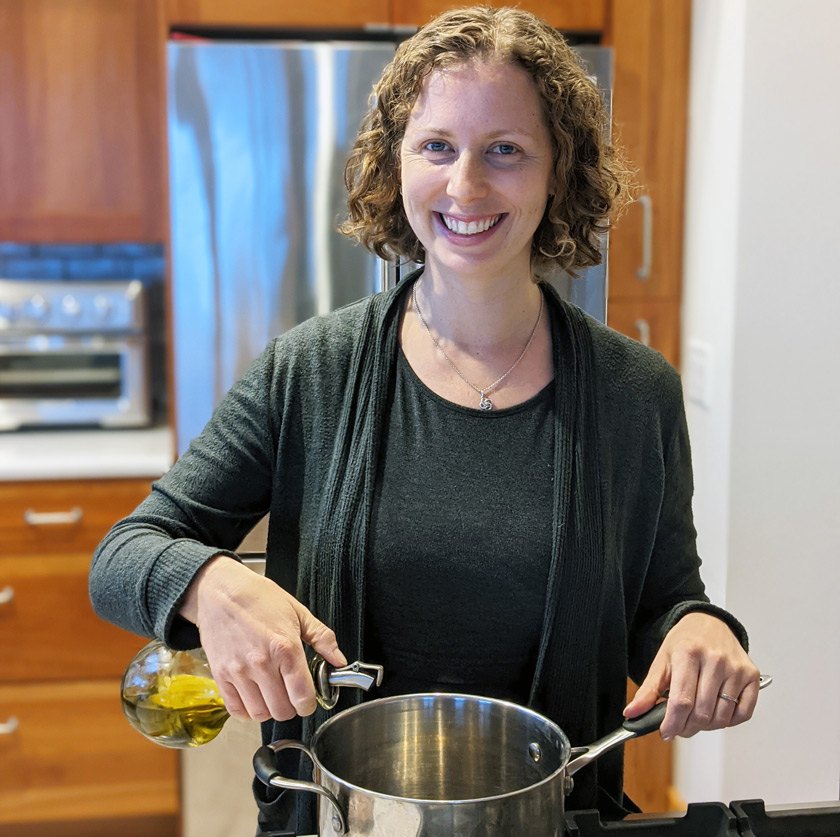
[{"x": 467, "y": 178}]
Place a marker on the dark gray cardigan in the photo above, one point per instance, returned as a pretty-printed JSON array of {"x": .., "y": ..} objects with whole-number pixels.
[{"x": 298, "y": 436}]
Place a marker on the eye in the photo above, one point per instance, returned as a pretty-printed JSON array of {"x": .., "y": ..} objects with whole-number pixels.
[
  {"x": 504, "y": 148},
  {"x": 436, "y": 146}
]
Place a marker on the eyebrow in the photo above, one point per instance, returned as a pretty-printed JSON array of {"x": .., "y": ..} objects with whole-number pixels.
[{"x": 502, "y": 133}]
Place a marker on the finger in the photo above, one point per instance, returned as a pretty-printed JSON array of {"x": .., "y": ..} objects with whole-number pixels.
[
  {"x": 710, "y": 710},
  {"x": 294, "y": 672},
  {"x": 252, "y": 688},
  {"x": 746, "y": 704},
  {"x": 244, "y": 702},
  {"x": 649, "y": 692},
  {"x": 276, "y": 697},
  {"x": 317, "y": 635},
  {"x": 727, "y": 704},
  {"x": 254, "y": 702},
  {"x": 232, "y": 701},
  {"x": 682, "y": 694}
]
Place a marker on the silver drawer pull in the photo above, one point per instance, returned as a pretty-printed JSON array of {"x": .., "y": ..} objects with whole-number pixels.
[
  {"x": 65, "y": 518},
  {"x": 6, "y": 594},
  {"x": 643, "y": 327},
  {"x": 643, "y": 271},
  {"x": 8, "y": 727}
]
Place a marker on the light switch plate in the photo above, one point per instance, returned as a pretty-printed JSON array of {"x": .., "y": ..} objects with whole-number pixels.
[{"x": 699, "y": 373}]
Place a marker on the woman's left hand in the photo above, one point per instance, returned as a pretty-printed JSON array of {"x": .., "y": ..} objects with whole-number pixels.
[{"x": 710, "y": 680}]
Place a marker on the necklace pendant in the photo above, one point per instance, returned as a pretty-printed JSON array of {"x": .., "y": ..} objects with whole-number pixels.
[{"x": 485, "y": 403}]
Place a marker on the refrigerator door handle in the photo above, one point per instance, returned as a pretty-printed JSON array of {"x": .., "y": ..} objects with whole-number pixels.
[{"x": 387, "y": 274}]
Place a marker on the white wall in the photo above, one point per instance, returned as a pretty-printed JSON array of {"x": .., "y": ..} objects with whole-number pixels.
[{"x": 762, "y": 294}]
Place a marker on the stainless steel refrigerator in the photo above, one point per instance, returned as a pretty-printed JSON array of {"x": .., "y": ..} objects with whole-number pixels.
[{"x": 258, "y": 136}]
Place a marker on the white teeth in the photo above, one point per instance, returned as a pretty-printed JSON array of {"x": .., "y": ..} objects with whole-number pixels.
[{"x": 471, "y": 227}]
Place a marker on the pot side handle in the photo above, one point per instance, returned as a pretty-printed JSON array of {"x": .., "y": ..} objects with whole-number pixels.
[
  {"x": 631, "y": 728},
  {"x": 267, "y": 772}
]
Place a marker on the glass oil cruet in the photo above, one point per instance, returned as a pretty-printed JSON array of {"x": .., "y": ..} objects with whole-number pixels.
[{"x": 171, "y": 697}]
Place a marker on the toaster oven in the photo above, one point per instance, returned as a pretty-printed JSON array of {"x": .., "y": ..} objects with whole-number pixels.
[{"x": 73, "y": 354}]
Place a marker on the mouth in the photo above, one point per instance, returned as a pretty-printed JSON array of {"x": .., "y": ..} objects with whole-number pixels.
[{"x": 473, "y": 227}]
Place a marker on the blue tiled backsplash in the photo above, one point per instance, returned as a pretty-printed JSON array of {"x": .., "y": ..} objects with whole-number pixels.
[{"x": 90, "y": 262}]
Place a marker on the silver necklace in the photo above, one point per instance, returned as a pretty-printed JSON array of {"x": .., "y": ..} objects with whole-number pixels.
[{"x": 484, "y": 402}]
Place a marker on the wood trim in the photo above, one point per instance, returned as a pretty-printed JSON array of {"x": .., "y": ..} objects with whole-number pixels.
[
  {"x": 159, "y": 826},
  {"x": 335, "y": 14},
  {"x": 567, "y": 15}
]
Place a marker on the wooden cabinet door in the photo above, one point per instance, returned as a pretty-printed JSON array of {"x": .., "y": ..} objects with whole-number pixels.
[
  {"x": 566, "y": 15},
  {"x": 354, "y": 14},
  {"x": 654, "y": 322},
  {"x": 69, "y": 755},
  {"x": 650, "y": 39},
  {"x": 81, "y": 121},
  {"x": 63, "y": 517},
  {"x": 48, "y": 630}
]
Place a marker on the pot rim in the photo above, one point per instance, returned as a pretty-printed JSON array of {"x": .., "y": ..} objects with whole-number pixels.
[{"x": 350, "y": 786}]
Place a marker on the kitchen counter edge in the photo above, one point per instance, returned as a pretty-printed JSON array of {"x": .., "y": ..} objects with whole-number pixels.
[{"x": 85, "y": 454}]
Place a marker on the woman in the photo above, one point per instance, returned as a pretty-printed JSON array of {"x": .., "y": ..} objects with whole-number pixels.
[{"x": 480, "y": 488}]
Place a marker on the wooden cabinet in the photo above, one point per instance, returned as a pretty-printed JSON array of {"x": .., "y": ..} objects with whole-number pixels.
[
  {"x": 568, "y": 15},
  {"x": 71, "y": 761},
  {"x": 81, "y": 121},
  {"x": 650, "y": 39}
]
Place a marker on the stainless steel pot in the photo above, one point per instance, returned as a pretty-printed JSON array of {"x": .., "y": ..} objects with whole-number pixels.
[{"x": 438, "y": 765}]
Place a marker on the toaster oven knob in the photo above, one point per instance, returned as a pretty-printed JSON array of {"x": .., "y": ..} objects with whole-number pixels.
[
  {"x": 36, "y": 309},
  {"x": 103, "y": 308},
  {"x": 71, "y": 307}
]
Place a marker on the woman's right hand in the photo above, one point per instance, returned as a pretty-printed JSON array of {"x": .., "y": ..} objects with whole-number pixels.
[{"x": 253, "y": 633}]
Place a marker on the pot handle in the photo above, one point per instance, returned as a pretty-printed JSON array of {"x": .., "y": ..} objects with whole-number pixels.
[
  {"x": 649, "y": 722},
  {"x": 268, "y": 774}
]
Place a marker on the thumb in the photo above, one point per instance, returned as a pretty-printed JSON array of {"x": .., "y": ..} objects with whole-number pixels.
[
  {"x": 649, "y": 692},
  {"x": 317, "y": 635}
]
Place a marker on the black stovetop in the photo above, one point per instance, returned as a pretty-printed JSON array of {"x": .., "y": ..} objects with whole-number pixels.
[{"x": 746, "y": 818}]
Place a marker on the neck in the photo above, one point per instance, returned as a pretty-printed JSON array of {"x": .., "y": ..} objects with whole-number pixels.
[{"x": 479, "y": 317}]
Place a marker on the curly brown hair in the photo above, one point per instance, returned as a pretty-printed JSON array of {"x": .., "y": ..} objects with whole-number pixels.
[{"x": 592, "y": 179}]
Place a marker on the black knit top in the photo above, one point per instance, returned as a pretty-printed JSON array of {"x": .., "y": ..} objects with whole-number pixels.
[{"x": 460, "y": 543}]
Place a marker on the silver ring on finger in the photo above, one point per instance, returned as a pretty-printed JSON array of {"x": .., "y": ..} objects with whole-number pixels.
[{"x": 727, "y": 698}]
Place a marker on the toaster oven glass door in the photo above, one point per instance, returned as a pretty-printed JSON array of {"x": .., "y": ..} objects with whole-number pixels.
[{"x": 64, "y": 380}]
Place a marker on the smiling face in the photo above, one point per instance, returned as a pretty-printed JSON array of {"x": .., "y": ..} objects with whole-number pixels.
[{"x": 476, "y": 169}]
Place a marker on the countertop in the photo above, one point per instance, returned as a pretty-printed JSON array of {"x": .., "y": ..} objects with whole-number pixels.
[{"x": 85, "y": 454}]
